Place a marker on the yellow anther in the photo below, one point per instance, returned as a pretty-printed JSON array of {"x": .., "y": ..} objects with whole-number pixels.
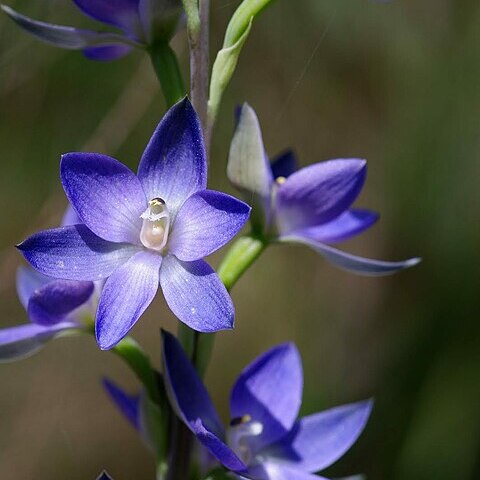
[
  {"x": 280, "y": 180},
  {"x": 241, "y": 420},
  {"x": 156, "y": 202},
  {"x": 157, "y": 205}
]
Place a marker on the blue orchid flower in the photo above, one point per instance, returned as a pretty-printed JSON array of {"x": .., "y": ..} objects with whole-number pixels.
[
  {"x": 139, "y": 232},
  {"x": 140, "y": 23},
  {"x": 55, "y": 307},
  {"x": 264, "y": 440},
  {"x": 310, "y": 206}
]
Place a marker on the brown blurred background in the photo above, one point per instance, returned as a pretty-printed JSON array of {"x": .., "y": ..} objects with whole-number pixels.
[{"x": 398, "y": 84}]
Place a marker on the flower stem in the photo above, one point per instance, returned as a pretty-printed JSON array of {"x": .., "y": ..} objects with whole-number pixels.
[
  {"x": 131, "y": 352},
  {"x": 168, "y": 72},
  {"x": 198, "y": 25},
  {"x": 239, "y": 258},
  {"x": 179, "y": 461},
  {"x": 198, "y": 22}
]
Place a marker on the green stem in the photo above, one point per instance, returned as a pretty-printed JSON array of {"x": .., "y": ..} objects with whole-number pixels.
[
  {"x": 193, "y": 15},
  {"x": 161, "y": 470},
  {"x": 239, "y": 258},
  {"x": 133, "y": 355},
  {"x": 168, "y": 72},
  {"x": 179, "y": 460}
]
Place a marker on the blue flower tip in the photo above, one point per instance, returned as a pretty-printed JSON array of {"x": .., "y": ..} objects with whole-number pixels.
[
  {"x": 366, "y": 407},
  {"x": 9, "y": 11},
  {"x": 412, "y": 262},
  {"x": 248, "y": 108},
  {"x": 103, "y": 343},
  {"x": 362, "y": 162},
  {"x": 105, "y": 382},
  {"x": 66, "y": 157},
  {"x": 164, "y": 332},
  {"x": 185, "y": 103},
  {"x": 167, "y": 337},
  {"x": 22, "y": 246},
  {"x": 288, "y": 348}
]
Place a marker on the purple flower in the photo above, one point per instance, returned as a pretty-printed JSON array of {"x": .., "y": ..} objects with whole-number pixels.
[
  {"x": 55, "y": 307},
  {"x": 264, "y": 440},
  {"x": 311, "y": 206},
  {"x": 140, "y": 23},
  {"x": 143, "y": 230}
]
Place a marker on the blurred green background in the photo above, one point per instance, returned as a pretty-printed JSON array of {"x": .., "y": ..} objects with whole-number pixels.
[{"x": 398, "y": 84}]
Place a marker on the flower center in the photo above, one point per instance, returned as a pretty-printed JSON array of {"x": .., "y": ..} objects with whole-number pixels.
[
  {"x": 156, "y": 225},
  {"x": 241, "y": 429}
]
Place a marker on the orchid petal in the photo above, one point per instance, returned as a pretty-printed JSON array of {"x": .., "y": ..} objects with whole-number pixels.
[
  {"x": 126, "y": 295},
  {"x": 345, "y": 226},
  {"x": 62, "y": 36},
  {"x": 106, "y": 53},
  {"x": 74, "y": 253},
  {"x": 28, "y": 280},
  {"x": 192, "y": 402},
  {"x": 207, "y": 221},
  {"x": 123, "y": 14},
  {"x": 174, "y": 165},
  {"x": 52, "y": 303},
  {"x": 319, "y": 440},
  {"x": 349, "y": 262},
  {"x": 223, "y": 453},
  {"x": 24, "y": 340},
  {"x": 128, "y": 405},
  {"x": 318, "y": 193},
  {"x": 248, "y": 167},
  {"x": 106, "y": 194},
  {"x": 185, "y": 388},
  {"x": 196, "y": 295},
  {"x": 269, "y": 391}
]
